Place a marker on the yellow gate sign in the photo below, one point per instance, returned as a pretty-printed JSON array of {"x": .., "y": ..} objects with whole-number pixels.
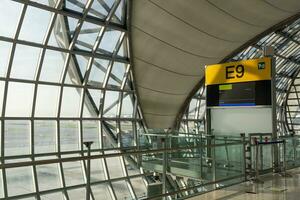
[{"x": 236, "y": 72}]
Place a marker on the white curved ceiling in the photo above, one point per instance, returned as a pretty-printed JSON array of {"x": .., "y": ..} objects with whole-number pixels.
[{"x": 172, "y": 41}]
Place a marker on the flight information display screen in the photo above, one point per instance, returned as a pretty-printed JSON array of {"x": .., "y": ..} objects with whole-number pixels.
[{"x": 239, "y": 94}]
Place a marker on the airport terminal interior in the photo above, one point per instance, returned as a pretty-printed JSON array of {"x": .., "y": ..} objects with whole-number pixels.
[{"x": 149, "y": 99}]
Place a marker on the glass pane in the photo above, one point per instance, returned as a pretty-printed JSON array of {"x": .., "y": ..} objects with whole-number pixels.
[
  {"x": 77, "y": 193},
  {"x": 17, "y": 137},
  {"x": 99, "y": 9},
  {"x": 121, "y": 190},
  {"x": 82, "y": 62},
  {"x": 128, "y": 83},
  {"x": 1, "y": 185},
  {"x": 111, "y": 104},
  {"x": 109, "y": 3},
  {"x": 19, "y": 181},
  {"x": 76, "y": 70},
  {"x": 73, "y": 173},
  {"x": 69, "y": 135},
  {"x": 123, "y": 49},
  {"x": 127, "y": 107},
  {"x": 70, "y": 102},
  {"x": 139, "y": 187},
  {"x": 48, "y": 177},
  {"x": 127, "y": 134},
  {"x": 91, "y": 132},
  {"x": 44, "y": 136},
  {"x": 9, "y": 15},
  {"x": 53, "y": 196},
  {"x": 112, "y": 127},
  {"x": 97, "y": 171},
  {"x": 114, "y": 166},
  {"x": 98, "y": 72},
  {"x": 2, "y": 83},
  {"x": 131, "y": 169},
  {"x": 92, "y": 103},
  {"x": 96, "y": 96},
  {"x": 72, "y": 24},
  {"x": 89, "y": 111},
  {"x": 87, "y": 36},
  {"x": 19, "y": 99},
  {"x": 46, "y": 101},
  {"x": 117, "y": 75},
  {"x": 4, "y": 53},
  {"x": 109, "y": 41},
  {"x": 107, "y": 143},
  {"x": 119, "y": 14},
  {"x": 101, "y": 192},
  {"x": 76, "y": 5},
  {"x": 192, "y": 108},
  {"x": 58, "y": 36},
  {"x": 35, "y": 24},
  {"x": 52, "y": 66},
  {"x": 25, "y": 62}
]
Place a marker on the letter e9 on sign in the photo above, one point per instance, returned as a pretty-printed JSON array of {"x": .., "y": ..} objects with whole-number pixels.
[{"x": 236, "y": 72}]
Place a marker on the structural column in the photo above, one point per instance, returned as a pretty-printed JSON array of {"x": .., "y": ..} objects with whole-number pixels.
[{"x": 269, "y": 52}]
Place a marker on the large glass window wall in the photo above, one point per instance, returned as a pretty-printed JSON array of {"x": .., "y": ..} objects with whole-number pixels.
[{"x": 65, "y": 78}]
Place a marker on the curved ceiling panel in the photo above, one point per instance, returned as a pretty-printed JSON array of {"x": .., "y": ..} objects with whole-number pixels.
[
  {"x": 292, "y": 6},
  {"x": 146, "y": 71},
  {"x": 173, "y": 40}
]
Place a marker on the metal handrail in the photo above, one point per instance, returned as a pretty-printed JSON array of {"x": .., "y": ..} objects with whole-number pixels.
[{"x": 123, "y": 153}]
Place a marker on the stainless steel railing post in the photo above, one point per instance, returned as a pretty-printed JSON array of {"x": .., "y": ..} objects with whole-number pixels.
[
  {"x": 257, "y": 148},
  {"x": 243, "y": 137},
  {"x": 164, "y": 164},
  {"x": 256, "y": 161},
  {"x": 284, "y": 155},
  {"x": 88, "y": 170}
]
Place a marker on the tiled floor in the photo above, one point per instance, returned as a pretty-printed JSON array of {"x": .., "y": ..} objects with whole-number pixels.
[{"x": 275, "y": 187}]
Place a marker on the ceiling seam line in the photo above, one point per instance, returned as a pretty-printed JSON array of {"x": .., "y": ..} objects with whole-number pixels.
[
  {"x": 159, "y": 114},
  {"x": 171, "y": 45},
  {"x": 191, "y": 25},
  {"x": 272, "y": 5},
  {"x": 159, "y": 67},
  {"x": 243, "y": 21},
  {"x": 173, "y": 94}
]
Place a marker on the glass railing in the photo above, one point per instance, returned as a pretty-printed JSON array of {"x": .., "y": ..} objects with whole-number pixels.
[
  {"x": 292, "y": 151},
  {"x": 265, "y": 159},
  {"x": 200, "y": 157},
  {"x": 212, "y": 162}
]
